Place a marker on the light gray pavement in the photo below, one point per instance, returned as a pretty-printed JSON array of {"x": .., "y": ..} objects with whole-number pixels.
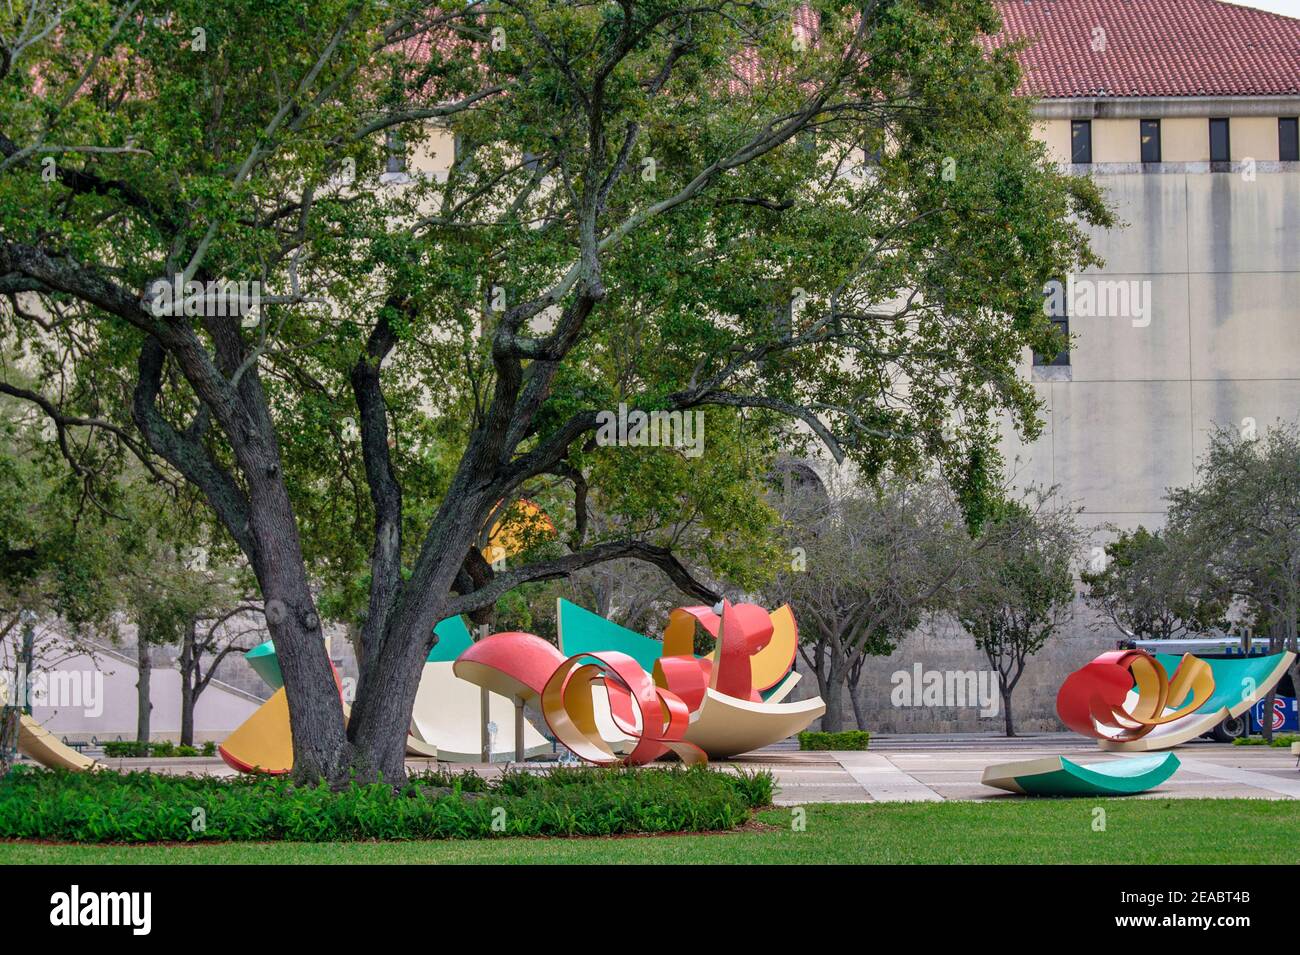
[
  {"x": 933, "y": 768},
  {"x": 905, "y": 769}
]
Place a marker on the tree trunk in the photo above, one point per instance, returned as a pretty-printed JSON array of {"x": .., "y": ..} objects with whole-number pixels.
[
  {"x": 1275, "y": 643},
  {"x": 395, "y": 651},
  {"x": 143, "y": 706},
  {"x": 859, "y": 716},
  {"x": 855, "y": 681},
  {"x": 320, "y": 745},
  {"x": 8, "y": 735},
  {"x": 1006, "y": 707},
  {"x": 188, "y": 665},
  {"x": 381, "y": 716},
  {"x": 833, "y": 720}
]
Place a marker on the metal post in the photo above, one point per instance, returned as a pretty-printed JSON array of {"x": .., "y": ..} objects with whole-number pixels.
[
  {"x": 519, "y": 730},
  {"x": 483, "y": 718}
]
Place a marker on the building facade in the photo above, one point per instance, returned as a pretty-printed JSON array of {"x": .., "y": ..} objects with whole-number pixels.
[{"x": 1184, "y": 112}]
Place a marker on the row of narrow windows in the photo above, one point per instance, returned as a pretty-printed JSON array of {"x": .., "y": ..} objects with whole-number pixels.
[{"x": 1288, "y": 139}]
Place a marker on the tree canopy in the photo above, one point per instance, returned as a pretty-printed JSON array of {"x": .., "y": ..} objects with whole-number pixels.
[{"x": 812, "y": 223}]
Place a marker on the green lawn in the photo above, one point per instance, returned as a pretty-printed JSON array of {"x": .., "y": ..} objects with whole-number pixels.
[{"x": 1152, "y": 831}]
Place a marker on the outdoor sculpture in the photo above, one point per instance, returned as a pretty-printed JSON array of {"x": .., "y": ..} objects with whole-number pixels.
[
  {"x": 1059, "y": 776},
  {"x": 601, "y": 700},
  {"x": 1127, "y": 701},
  {"x": 608, "y": 694}
]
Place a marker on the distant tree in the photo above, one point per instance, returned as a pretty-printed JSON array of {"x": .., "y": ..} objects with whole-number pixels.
[
  {"x": 184, "y": 591},
  {"x": 863, "y": 566},
  {"x": 1241, "y": 517},
  {"x": 88, "y": 541},
  {"x": 182, "y": 601},
  {"x": 56, "y": 534},
  {"x": 1153, "y": 585},
  {"x": 58, "y": 586},
  {"x": 1020, "y": 587}
]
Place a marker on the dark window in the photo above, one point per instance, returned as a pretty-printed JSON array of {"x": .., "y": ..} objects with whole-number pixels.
[
  {"x": 1220, "y": 149},
  {"x": 873, "y": 146},
  {"x": 1150, "y": 140},
  {"x": 1062, "y": 325},
  {"x": 783, "y": 317},
  {"x": 396, "y": 162},
  {"x": 1081, "y": 141},
  {"x": 1288, "y": 139},
  {"x": 1057, "y": 309}
]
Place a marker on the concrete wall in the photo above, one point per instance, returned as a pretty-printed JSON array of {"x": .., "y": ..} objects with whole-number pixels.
[
  {"x": 95, "y": 696},
  {"x": 946, "y": 649},
  {"x": 103, "y": 702}
]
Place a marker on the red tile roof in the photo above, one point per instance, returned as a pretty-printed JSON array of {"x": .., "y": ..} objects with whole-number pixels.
[{"x": 1151, "y": 48}]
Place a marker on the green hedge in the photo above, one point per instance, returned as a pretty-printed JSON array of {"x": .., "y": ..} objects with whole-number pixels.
[
  {"x": 147, "y": 807},
  {"x": 1282, "y": 740},
  {"x": 849, "y": 739},
  {"x": 163, "y": 749}
]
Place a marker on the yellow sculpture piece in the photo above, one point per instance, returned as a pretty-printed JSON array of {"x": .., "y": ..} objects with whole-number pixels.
[{"x": 263, "y": 743}]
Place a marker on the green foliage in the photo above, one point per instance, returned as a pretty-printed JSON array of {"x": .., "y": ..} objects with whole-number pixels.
[
  {"x": 1020, "y": 582},
  {"x": 874, "y": 559},
  {"x": 1241, "y": 521},
  {"x": 1283, "y": 741},
  {"x": 848, "y": 739},
  {"x": 126, "y": 748},
  {"x": 1153, "y": 585},
  {"x": 983, "y": 831},
  {"x": 163, "y": 749},
  {"x": 58, "y": 552},
  {"x": 674, "y": 290},
  {"x": 684, "y": 295},
  {"x": 143, "y": 807}
]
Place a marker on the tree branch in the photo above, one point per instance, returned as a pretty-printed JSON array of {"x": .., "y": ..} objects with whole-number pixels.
[
  {"x": 385, "y": 492},
  {"x": 661, "y": 557},
  {"x": 186, "y": 454}
]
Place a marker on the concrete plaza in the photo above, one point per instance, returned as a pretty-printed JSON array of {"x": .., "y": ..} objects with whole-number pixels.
[{"x": 937, "y": 768}]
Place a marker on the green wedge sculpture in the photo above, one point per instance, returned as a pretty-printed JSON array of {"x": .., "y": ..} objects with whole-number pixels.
[{"x": 1059, "y": 776}]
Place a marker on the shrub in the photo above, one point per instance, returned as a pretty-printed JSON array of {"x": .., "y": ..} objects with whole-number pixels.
[
  {"x": 1283, "y": 740},
  {"x": 849, "y": 739},
  {"x": 147, "y": 807},
  {"x": 126, "y": 748},
  {"x": 160, "y": 750}
]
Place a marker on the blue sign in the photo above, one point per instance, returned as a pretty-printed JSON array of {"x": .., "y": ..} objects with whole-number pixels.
[{"x": 1284, "y": 715}]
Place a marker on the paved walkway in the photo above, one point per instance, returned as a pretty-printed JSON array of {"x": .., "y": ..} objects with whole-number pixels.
[
  {"x": 900, "y": 769},
  {"x": 936, "y": 768}
]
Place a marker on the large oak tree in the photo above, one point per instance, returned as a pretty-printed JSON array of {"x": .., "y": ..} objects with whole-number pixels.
[{"x": 659, "y": 204}]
